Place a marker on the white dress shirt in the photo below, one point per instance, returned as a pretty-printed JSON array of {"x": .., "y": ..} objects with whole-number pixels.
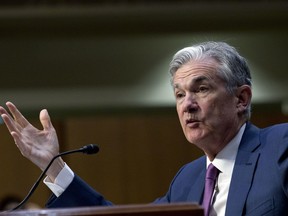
[
  {"x": 224, "y": 161},
  {"x": 61, "y": 182}
]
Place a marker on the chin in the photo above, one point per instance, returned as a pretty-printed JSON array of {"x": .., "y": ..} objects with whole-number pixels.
[{"x": 195, "y": 138}]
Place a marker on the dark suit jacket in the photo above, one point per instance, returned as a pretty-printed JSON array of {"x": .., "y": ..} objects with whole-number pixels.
[{"x": 259, "y": 184}]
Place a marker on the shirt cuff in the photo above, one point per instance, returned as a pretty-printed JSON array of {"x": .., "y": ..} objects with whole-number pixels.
[{"x": 61, "y": 182}]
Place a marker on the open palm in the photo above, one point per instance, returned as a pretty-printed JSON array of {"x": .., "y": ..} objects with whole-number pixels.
[{"x": 39, "y": 146}]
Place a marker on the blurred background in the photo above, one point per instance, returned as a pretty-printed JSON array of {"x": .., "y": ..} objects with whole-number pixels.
[{"x": 101, "y": 69}]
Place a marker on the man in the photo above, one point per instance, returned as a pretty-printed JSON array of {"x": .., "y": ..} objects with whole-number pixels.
[{"x": 212, "y": 87}]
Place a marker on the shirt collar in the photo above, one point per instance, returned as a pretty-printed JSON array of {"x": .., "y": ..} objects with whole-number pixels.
[{"x": 225, "y": 159}]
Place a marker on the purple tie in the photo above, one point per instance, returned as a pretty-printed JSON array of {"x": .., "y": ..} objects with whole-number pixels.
[{"x": 211, "y": 176}]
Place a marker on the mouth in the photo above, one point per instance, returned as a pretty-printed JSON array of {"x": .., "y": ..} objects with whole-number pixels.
[{"x": 191, "y": 122}]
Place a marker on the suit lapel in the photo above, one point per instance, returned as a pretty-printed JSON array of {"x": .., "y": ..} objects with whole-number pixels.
[
  {"x": 198, "y": 187},
  {"x": 243, "y": 171}
]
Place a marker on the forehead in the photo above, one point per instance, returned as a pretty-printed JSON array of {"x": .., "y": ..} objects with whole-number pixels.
[{"x": 197, "y": 70}]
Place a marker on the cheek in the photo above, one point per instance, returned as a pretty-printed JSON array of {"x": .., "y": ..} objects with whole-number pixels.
[
  {"x": 178, "y": 109},
  {"x": 221, "y": 111},
  {"x": 217, "y": 107},
  {"x": 180, "y": 116}
]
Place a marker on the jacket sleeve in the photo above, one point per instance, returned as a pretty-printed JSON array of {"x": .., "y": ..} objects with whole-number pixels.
[
  {"x": 282, "y": 161},
  {"x": 78, "y": 194}
]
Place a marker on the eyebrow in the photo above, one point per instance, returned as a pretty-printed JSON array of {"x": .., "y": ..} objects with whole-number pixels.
[{"x": 194, "y": 81}]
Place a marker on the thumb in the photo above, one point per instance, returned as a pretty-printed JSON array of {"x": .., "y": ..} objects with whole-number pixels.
[{"x": 45, "y": 119}]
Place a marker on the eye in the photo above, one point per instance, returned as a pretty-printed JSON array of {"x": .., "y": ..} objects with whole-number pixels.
[
  {"x": 179, "y": 95},
  {"x": 202, "y": 89}
]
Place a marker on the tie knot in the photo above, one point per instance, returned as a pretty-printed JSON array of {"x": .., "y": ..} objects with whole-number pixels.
[{"x": 212, "y": 172}]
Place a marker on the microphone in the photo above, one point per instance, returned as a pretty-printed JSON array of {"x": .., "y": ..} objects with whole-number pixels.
[{"x": 88, "y": 149}]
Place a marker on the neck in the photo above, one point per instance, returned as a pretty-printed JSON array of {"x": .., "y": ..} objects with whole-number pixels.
[{"x": 212, "y": 150}]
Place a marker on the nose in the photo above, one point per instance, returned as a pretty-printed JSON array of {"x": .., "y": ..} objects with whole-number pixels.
[{"x": 190, "y": 104}]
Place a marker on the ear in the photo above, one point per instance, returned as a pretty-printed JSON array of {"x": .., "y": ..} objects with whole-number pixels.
[{"x": 244, "y": 95}]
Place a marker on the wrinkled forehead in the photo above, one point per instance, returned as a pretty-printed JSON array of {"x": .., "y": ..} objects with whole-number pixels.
[{"x": 196, "y": 68}]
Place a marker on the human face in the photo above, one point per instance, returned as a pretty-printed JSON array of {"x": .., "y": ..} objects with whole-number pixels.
[{"x": 207, "y": 111}]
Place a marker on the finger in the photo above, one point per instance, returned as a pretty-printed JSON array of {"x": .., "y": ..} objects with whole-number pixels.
[
  {"x": 9, "y": 121},
  {"x": 21, "y": 120},
  {"x": 45, "y": 119},
  {"x": 3, "y": 111}
]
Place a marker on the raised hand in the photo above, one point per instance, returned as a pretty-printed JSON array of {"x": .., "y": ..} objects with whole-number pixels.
[{"x": 39, "y": 146}]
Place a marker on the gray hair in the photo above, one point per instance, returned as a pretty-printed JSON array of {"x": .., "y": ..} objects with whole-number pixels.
[{"x": 233, "y": 68}]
